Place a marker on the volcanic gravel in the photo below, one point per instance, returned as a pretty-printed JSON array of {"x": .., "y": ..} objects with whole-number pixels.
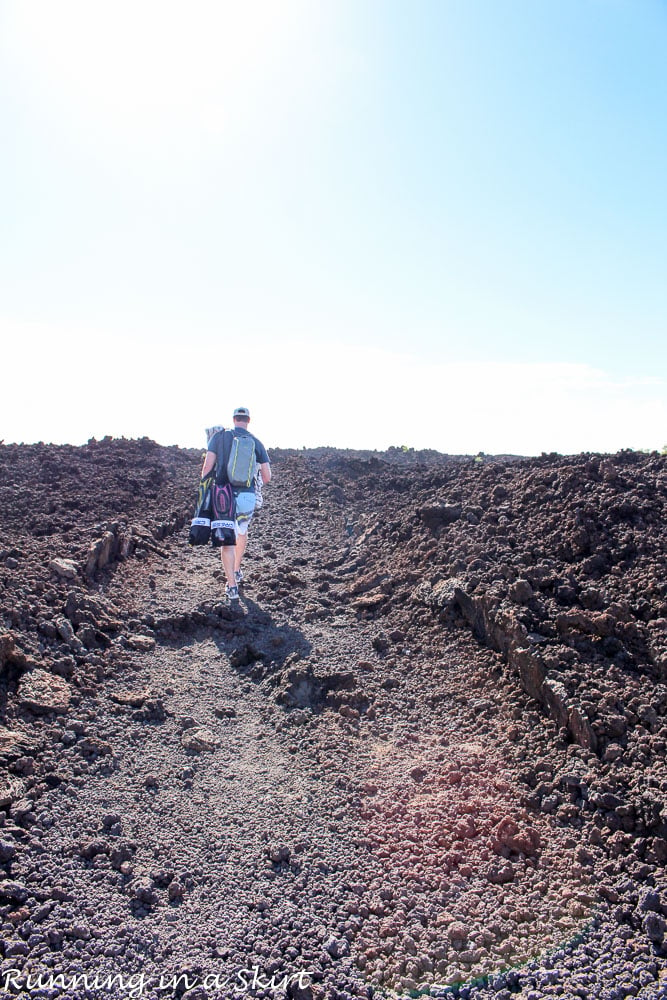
[{"x": 425, "y": 757}]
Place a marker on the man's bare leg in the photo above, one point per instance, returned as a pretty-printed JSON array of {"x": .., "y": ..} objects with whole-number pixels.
[
  {"x": 241, "y": 542},
  {"x": 227, "y": 557}
]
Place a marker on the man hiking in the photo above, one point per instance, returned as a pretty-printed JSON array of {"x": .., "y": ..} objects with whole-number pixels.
[{"x": 236, "y": 454}]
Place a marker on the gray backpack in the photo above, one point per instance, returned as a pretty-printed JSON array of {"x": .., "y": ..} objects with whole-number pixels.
[{"x": 241, "y": 461}]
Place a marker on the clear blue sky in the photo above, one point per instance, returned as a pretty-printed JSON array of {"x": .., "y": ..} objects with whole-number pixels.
[{"x": 441, "y": 223}]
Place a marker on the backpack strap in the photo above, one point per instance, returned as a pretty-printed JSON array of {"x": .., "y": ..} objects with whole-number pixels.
[{"x": 222, "y": 458}]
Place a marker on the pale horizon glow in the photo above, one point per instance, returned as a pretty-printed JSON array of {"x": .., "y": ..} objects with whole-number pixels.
[
  {"x": 452, "y": 408},
  {"x": 439, "y": 225}
]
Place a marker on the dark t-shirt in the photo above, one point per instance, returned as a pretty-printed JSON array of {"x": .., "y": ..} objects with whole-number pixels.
[{"x": 217, "y": 444}]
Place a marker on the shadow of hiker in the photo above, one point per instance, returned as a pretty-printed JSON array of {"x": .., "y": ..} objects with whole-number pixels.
[
  {"x": 250, "y": 638},
  {"x": 257, "y": 646},
  {"x": 281, "y": 660},
  {"x": 276, "y": 656}
]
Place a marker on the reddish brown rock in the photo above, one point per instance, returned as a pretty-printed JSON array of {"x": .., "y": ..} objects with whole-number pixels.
[{"x": 43, "y": 692}]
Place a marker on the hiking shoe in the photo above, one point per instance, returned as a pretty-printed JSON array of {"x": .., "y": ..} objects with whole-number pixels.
[
  {"x": 238, "y": 574},
  {"x": 232, "y": 594}
]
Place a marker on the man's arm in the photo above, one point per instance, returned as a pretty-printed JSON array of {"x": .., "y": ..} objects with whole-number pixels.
[
  {"x": 209, "y": 464},
  {"x": 263, "y": 459}
]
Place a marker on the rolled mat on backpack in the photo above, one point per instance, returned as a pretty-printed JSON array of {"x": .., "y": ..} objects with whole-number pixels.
[{"x": 200, "y": 526}]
